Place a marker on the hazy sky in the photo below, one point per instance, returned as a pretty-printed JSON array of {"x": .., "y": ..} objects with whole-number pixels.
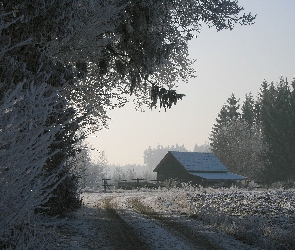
[{"x": 228, "y": 62}]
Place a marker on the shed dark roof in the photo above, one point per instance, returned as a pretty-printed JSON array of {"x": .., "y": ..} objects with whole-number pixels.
[{"x": 199, "y": 162}]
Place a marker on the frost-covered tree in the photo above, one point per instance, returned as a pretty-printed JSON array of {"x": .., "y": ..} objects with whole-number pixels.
[
  {"x": 242, "y": 148},
  {"x": 137, "y": 47},
  {"x": 119, "y": 174},
  {"x": 237, "y": 139},
  {"x": 33, "y": 112},
  {"x": 96, "y": 171},
  {"x": 25, "y": 139},
  {"x": 128, "y": 172},
  {"x": 28, "y": 28},
  {"x": 115, "y": 47}
]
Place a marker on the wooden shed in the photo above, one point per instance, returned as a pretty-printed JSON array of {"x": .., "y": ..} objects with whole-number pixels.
[{"x": 195, "y": 167}]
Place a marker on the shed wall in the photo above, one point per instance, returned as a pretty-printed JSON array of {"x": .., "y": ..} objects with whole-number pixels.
[{"x": 169, "y": 167}]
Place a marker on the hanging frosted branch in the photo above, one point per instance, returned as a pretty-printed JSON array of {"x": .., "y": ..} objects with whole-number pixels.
[{"x": 166, "y": 97}]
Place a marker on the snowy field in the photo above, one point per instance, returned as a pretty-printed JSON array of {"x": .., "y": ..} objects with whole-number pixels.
[
  {"x": 165, "y": 219},
  {"x": 179, "y": 218}
]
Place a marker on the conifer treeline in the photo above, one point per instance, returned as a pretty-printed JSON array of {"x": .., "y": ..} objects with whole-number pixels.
[{"x": 258, "y": 139}]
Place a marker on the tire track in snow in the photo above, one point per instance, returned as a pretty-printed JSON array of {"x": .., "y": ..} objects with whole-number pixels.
[
  {"x": 181, "y": 231},
  {"x": 125, "y": 215},
  {"x": 202, "y": 235},
  {"x": 123, "y": 237},
  {"x": 154, "y": 234}
]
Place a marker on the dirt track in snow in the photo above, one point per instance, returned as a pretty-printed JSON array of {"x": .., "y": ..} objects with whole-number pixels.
[
  {"x": 183, "y": 232},
  {"x": 122, "y": 235},
  {"x": 142, "y": 229},
  {"x": 125, "y": 222}
]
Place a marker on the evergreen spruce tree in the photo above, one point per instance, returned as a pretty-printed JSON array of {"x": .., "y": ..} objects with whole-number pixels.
[
  {"x": 291, "y": 127},
  {"x": 228, "y": 113},
  {"x": 233, "y": 108},
  {"x": 278, "y": 128},
  {"x": 248, "y": 109}
]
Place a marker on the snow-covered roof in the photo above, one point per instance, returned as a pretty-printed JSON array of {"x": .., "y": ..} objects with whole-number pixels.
[
  {"x": 200, "y": 162},
  {"x": 219, "y": 176}
]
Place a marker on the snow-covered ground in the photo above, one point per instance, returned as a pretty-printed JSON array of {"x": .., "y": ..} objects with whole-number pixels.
[{"x": 180, "y": 219}]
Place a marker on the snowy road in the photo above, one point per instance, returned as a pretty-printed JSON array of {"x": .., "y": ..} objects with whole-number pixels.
[{"x": 131, "y": 221}]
